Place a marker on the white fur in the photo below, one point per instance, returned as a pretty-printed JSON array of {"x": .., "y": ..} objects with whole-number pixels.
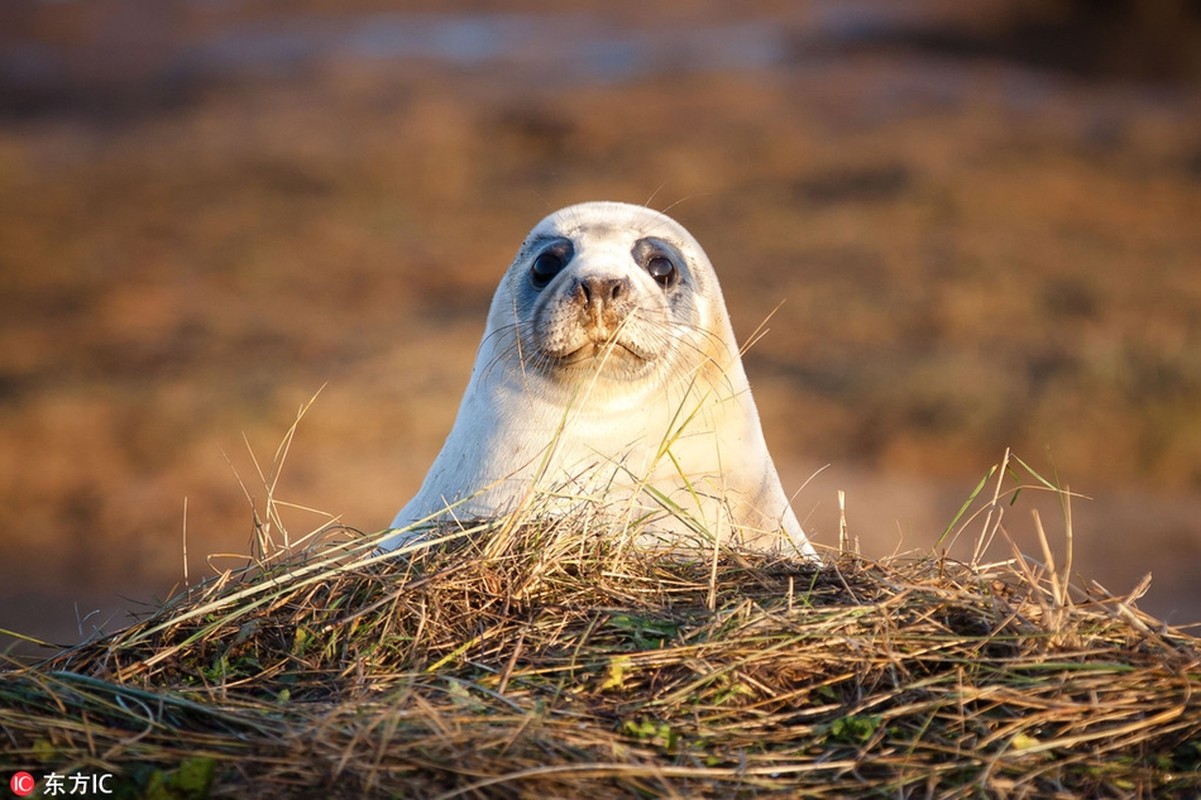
[{"x": 615, "y": 429}]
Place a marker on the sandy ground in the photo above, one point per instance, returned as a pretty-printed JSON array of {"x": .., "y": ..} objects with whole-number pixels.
[{"x": 207, "y": 215}]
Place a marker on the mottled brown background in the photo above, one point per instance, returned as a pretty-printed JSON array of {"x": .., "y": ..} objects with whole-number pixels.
[{"x": 984, "y": 229}]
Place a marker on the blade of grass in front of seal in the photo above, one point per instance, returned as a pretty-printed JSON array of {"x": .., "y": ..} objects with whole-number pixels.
[{"x": 971, "y": 498}]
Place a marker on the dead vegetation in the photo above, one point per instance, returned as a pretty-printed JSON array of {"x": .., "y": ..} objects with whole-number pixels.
[{"x": 547, "y": 659}]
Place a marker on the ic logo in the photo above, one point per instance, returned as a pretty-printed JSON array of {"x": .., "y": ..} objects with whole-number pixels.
[{"x": 22, "y": 784}]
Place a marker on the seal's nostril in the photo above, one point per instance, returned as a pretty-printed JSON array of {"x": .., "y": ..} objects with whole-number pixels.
[{"x": 601, "y": 290}]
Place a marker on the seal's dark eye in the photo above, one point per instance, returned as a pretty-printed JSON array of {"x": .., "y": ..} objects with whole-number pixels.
[
  {"x": 662, "y": 270},
  {"x": 546, "y": 266}
]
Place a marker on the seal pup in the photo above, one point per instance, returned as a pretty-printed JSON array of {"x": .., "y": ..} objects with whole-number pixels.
[{"x": 609, "y": 375}]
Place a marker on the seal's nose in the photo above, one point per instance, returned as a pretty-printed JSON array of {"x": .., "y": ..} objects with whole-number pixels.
[
  {"x": 603, "y": 303},
  {"x": 601, "y": 291}
]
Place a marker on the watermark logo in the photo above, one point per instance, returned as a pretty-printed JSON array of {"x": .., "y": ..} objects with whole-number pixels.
[
  {"x": 78, "y": 784},
  {"x": 22, "y": 784}
]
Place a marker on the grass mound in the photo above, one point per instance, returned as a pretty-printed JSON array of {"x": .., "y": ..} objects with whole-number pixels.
[{"x": 546, "y": 660}]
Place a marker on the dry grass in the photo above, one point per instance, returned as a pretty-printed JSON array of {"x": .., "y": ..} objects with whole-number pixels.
[{"x": 544, "y": 659}]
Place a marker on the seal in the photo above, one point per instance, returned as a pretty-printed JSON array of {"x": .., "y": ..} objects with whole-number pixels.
[{"x": 609, "y": 376}]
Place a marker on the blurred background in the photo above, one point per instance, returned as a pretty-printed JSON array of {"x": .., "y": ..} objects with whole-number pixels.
[{"x": 981, "y": 224}]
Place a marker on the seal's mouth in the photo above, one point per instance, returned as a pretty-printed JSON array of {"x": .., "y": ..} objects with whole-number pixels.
[
  {"x": 568, "y": 337},
  {"x": 620, "y": 354}
]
